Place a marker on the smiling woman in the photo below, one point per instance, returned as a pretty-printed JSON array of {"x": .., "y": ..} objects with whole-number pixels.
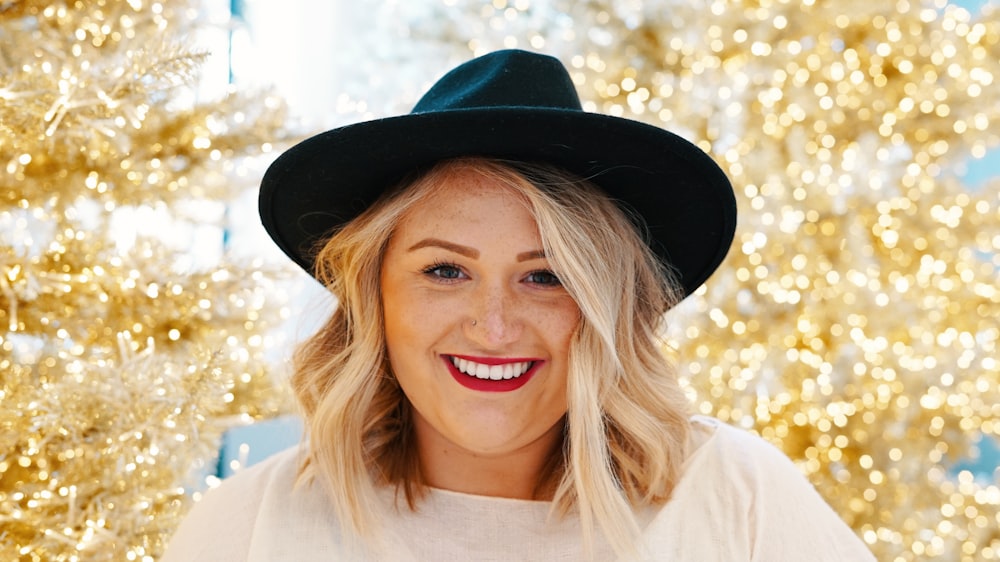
[
  {"x": 490, "y": 386},
  {"x": 467, "y": 285},
  {"x": 445, "y": 267}
]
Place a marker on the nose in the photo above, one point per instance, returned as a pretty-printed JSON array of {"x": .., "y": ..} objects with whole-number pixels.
[{"x": 495, "y": 316}]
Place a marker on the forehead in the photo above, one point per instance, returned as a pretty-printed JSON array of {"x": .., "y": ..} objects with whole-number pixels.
[{"x": 465, "y": 197}]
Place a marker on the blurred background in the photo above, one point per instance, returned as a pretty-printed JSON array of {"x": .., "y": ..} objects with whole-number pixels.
[{"x": 147, "y": 321}]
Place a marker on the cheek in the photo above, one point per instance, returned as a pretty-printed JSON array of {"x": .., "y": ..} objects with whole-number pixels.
[
  {"x": 414, "y": 323},
  {"x": 397, "y": 322},
  {"x": 561, "y": 324},
  {"x": 403, "y": 346},
  {"x": 411, "y": 312},
  {"x": 399, "y": 306}
]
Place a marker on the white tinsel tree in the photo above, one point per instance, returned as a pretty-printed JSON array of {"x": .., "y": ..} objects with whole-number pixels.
[{"x": 123, "y": 355}]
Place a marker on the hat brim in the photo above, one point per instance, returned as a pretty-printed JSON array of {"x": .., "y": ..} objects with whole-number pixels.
[{"x": 681, "y": 194}]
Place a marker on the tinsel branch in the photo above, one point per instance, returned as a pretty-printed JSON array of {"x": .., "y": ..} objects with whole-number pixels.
[{"x": 119, "y": 365}]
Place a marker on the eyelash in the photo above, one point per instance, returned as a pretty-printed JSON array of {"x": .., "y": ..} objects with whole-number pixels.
[
  {"x": 434, "y": 271},
  {"x": 555, "y": 278}
]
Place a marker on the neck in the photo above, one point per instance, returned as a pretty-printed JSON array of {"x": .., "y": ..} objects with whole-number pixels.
[{"x": 520, "y": 474}]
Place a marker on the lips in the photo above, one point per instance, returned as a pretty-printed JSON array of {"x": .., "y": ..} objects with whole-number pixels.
[{"x": 491, "y": 374}]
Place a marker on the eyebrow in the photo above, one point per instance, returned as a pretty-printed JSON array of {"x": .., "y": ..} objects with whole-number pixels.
[
  {"x": 532, "y": 255},
  {"x": 467, "y": 251}
]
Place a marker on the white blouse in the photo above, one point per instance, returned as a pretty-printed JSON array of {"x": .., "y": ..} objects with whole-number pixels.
[{"x": 739, "y": 498}]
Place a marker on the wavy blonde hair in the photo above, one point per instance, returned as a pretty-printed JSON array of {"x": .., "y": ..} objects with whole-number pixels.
[{"x": 627, "y": 423}]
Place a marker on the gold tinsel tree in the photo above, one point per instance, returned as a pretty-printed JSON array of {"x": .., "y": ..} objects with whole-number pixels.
[
  {"x": 121, "y": 358},
  {"x": 855, "y": 321}
]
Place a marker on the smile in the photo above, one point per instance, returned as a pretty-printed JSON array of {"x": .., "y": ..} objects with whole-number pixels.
[{"x": 491, "y": 374}]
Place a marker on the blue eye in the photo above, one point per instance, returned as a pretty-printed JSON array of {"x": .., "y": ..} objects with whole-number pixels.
[
  {"x": 446, "y": 271},
  {"x": 543, "y": 277}
]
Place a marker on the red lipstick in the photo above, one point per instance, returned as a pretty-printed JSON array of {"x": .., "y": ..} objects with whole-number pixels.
[{"x": 490, "y": 385}]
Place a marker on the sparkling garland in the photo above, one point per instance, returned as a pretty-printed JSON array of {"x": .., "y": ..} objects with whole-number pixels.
[{"x": 120, "y": 363}]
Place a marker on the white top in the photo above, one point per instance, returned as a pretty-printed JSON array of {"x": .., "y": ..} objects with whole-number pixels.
[{"x": 738, "y": 499}]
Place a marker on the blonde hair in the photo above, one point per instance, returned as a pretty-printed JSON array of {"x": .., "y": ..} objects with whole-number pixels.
[{"x": 627, "y": 422}]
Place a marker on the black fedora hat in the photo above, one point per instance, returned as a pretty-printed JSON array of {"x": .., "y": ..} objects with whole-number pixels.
[{"x": 513, "y": 105}]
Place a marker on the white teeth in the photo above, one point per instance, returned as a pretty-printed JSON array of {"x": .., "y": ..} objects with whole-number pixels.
[
  {"x": 508, "y": 372},
  {"x": 482, "y": 371},
  {"x": 491, "y": 372}
]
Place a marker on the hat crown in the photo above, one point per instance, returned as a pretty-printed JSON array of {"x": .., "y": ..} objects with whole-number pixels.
[{"x": 509, "y": 78}]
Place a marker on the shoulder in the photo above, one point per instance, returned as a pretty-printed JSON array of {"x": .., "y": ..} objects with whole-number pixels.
[
  {"x": 231, "y": 510},
  {"x": 736, "y": 453},
  {"x": 740, "y": 481},
  {"x": 249, "y": 487},
  {"x": 732, "y": 475},
  {"x": 751, "y": 472}
]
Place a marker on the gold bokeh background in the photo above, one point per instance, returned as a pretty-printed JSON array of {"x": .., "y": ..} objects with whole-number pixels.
[{"x": 854, "y": 323}]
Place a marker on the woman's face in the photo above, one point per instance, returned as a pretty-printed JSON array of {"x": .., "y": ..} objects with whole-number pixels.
[{"x": 477, "y": 327}]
